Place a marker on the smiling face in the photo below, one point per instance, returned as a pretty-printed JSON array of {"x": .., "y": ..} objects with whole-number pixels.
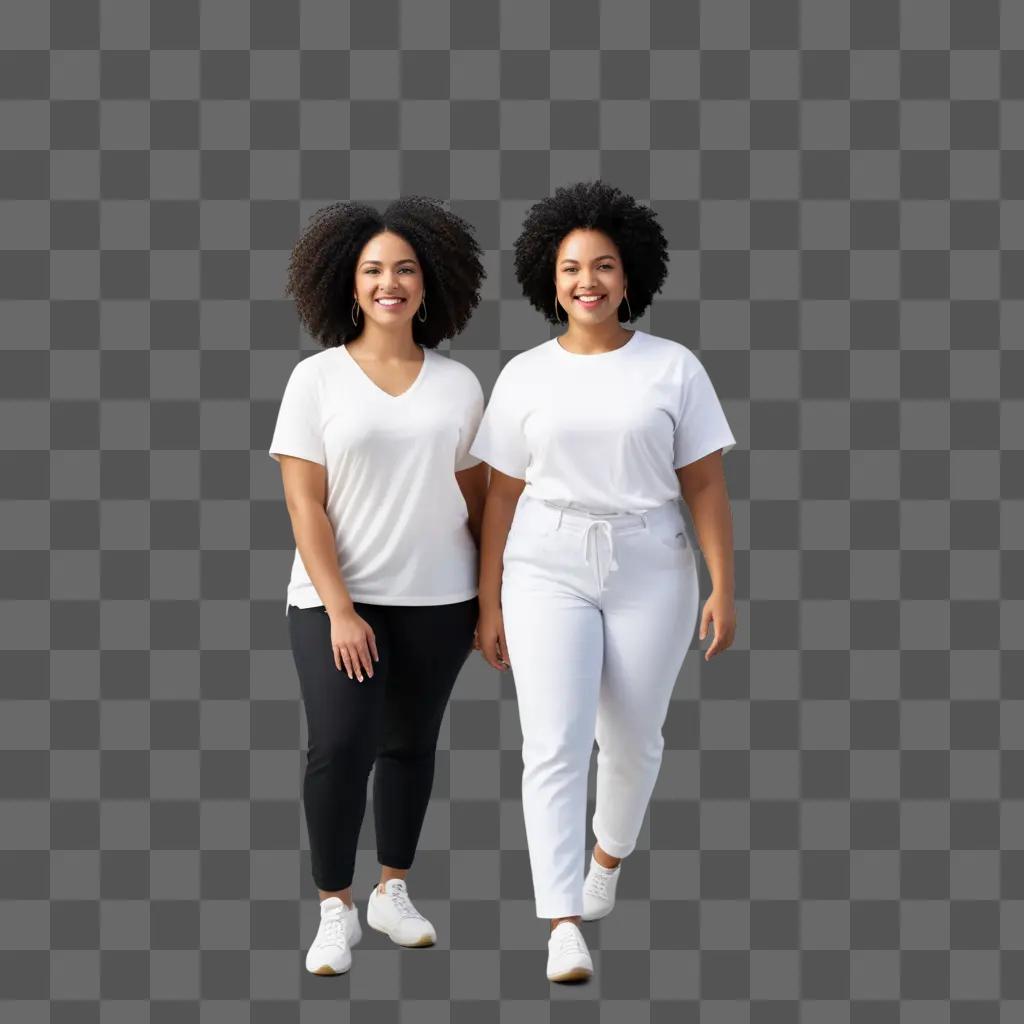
[
  {"x": 388, "y": 280},
  {"x": 589, "y": 279}
]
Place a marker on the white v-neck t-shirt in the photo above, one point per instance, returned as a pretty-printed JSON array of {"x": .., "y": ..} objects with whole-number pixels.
[
  {"x": 602, "y": 432},
  {"x": 400, "y": 521}
]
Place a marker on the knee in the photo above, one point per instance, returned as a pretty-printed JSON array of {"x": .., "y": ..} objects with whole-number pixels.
[
  {"x": 344, "y": 749},
  {"x": 555, "y": 757},
  {"x": 638, "y": 745},
  {"x": 411, "y": 753}
]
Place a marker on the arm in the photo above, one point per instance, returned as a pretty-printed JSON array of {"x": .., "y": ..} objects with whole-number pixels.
[
  {"x": 473, "y": 484},
  {"x": 305, "y": 492},
  {"x": 702, "y": 484},
  {"x": 502, "y": 496}
]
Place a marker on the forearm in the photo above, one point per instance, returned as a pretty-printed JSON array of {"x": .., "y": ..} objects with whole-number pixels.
[
  {"x": 475, "y": 519},
  {"x": 497, "y": 520},
  {"x": 314, "y": 538},
  {"x": 712, "y": 520}
]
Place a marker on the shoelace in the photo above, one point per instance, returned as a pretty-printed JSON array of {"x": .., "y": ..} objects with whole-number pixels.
[
  {"x": 569, "y": 941},
  {"x": 401, "y": 902},
  {"x": 597, "y": 884},
  {"x": 332, "y": 928}
]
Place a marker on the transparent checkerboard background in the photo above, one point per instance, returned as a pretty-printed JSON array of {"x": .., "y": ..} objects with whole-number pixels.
[{"x": 837, "y": 835}]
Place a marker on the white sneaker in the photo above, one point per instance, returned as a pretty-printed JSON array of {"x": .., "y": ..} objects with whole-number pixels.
[
  {"x": 331, "y": 952},
  {"x": 393, "y": 913},
  {"x": 568, "y": 956},
  {"x": 599, "y": 890}
]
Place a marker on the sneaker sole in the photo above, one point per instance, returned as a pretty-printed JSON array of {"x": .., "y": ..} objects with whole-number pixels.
[
  {"x": 598, "y": 915},
  {"x": 326, "y": 971},
  {"x": 573, "y": 974},
  {"x": 420, "y": 943}
]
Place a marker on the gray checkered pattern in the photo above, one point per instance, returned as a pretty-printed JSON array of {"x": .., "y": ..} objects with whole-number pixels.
[{"x": 837, "y": 835}]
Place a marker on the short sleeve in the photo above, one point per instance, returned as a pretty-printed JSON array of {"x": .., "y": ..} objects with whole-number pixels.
[
  {"x": 701, "y": 427},
  {"x": 298, "y": 430},
  {"x": 500, "y": 441},
  {"x": 472, "y": 413}
]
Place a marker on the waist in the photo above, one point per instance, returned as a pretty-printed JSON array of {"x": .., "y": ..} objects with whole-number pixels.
[{"x": 577, "y": 519}]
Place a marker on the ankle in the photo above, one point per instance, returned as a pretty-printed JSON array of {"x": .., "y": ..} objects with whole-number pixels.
[
  {"x": 606, "y": 860},
  {"x": 556, "y": 921},
  {"x": 345, "y": 895}
]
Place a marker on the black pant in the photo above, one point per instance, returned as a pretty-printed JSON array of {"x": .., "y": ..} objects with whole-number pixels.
[{"x": 389, "y": 723}]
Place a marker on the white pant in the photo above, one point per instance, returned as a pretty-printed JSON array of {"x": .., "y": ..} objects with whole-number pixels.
[{"x": 599, "y": 613}]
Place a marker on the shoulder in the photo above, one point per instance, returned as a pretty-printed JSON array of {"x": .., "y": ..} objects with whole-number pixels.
[
  {"x": 526, "y": 364},
  {"x": 673, "y": 354},
  {"x": 308, "y": 372},
  {"x": 456, "y": 376},
  {"x": 315, "y": 364},
  {"x": 668, "y": 348}
]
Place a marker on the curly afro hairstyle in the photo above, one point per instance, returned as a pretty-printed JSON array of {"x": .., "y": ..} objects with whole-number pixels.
[
  {"x": 321, "y": 269},
  {"x": 632, "y": 227}
]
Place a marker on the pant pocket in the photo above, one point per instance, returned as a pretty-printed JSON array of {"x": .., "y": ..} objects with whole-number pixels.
[{"x": 670, "y": 533}]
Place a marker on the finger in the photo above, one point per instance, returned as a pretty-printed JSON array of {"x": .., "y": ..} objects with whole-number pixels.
[
  {"x": 704, "y": 623},
  {"x": 490, "y": 655},
  {"x": 357, "y": 665},
  {"x": 337, "y": 656},
  {"x": 711, "y": 646},
  {"x": 357, "y": 668},
  {"x": 346, "y": 660},
  {"x": 364, "y": 657},
  {"x": 504, "y": 649},
  {"x": 373, "y": 646}
]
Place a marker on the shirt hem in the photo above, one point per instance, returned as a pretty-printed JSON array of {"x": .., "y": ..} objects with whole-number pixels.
[
  {"x": 396, "y": 599},
  {"x": 725, "y": 446},
  {"x": 517, "y": 473}
]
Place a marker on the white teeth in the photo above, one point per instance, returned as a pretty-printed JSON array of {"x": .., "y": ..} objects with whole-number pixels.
[
  {"x": 390, "y": 302},
  {"x": 590, "y": 299}
]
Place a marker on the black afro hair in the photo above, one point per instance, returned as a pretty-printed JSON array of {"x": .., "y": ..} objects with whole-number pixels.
[
  {"x": 321, "y": 270},
  {"x": 631, "y": 226}
]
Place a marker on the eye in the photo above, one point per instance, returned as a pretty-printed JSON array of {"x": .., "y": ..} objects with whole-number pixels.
[
  {"x": 606, "y": 266},
  {"x": 410, "y": 269}
]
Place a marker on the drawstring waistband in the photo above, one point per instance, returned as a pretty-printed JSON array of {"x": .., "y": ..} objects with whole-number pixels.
[
  {"x": 602, "y": 523},
  {"x": 602, "y": 526},
  {"x": 595, "y": 525}
]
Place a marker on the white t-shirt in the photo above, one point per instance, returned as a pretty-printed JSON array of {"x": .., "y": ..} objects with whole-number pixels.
[
  {"x": 400, "y": 520},
  {"x": 602, "y": 432}
]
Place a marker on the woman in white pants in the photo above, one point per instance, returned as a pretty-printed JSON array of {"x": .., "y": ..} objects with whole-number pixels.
[{"x": 588, "y": 586}]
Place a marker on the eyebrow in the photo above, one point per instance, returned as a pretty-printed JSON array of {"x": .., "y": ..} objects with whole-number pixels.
[
  {"x": 408, "y": 259},
  {"x": 609, "y": 256}
]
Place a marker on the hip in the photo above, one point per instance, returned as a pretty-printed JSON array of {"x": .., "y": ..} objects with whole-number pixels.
[{"x": 595, "y": 552}]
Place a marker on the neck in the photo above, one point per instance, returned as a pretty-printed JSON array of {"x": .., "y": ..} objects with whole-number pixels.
[
  {"x": 377, "y": 342},
  {"x": 595, "y": 337}
]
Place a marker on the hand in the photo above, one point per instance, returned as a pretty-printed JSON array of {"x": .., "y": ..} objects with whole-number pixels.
[
  {"x": 352, "y": 642},
  {"x": 490, "y": 639},
  {"x": 720, "y": 609}
]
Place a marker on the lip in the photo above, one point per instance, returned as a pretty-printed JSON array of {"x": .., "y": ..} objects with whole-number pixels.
[
  {"x": 392, "y": 305},
  {"x": 599, "y": 298}
]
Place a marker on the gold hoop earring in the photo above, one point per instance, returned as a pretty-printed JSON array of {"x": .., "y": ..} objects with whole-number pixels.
[
  {"x": 423, "y": 303},
  {"x": 625, "y": 298},
  {"x": 355, "y": 306},
  {"x": 557, "y": 317}
]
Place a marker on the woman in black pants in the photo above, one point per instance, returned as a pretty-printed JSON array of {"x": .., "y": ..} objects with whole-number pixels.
[{"x": 385, "y": 501}]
